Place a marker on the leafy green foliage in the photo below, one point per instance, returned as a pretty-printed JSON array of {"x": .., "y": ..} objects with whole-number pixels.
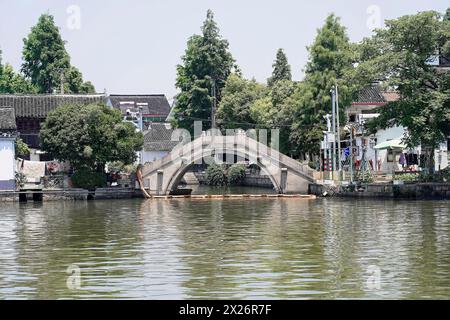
[
  {"x": 236, "y": 174},
  {"x": 237, "y": 97},
  {"x": 281, "y": 69},
  {"x": 21, "y": 148},
  {"x": 45, "y": 59},
  {"x": 406, "y": 48},
  {"x": 206, "y": 62},
  {"x": 20, "y": 178},
  {"x": 12, "y": 82},
  {"x": 407, "y": 177},
  {"x": 215, "y": 175},
  {"x": 88, "y": 179},
  {"x": 89, "y": 136},
  {"x": 330, "y": 62}
]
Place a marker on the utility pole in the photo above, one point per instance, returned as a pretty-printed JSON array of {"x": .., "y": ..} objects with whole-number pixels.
[
  {"x": 338, "y": 132},
  {"x": 214, "y": 105},
  {"x": 62, "y": 81},
  {"x": 351, "y": 154},
  {"x": 333, "y": 125}
]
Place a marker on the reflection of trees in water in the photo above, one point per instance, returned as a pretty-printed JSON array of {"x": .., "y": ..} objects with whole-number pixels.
[
  {"x": 244, "y": 248},
  {"x": 249, "y": 248},
  {"x": 96, "y": 236},
  {"x": 398, "y": 237}
]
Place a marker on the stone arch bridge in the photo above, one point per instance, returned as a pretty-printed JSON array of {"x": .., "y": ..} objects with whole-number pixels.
[{"x": 161, "y": 177}]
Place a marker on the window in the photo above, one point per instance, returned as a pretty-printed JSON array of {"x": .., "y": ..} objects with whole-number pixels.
[{"x": 390, "y": 155}]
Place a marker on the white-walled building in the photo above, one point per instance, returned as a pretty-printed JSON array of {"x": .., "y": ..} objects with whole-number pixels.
[
  {"x": 157, "y": 141},
  {"x": 386, "y": 160},
  {"x": 8, "y": 133}
]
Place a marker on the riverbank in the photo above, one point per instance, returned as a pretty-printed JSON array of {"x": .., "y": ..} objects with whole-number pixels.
[
  {"x": 385, "y": 190},
  {"x": 129, "y": 193}
]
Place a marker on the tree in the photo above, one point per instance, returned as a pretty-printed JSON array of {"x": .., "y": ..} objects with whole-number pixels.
[
  {"x": 281, "y": 69},
  {"x": 207, "y": 62},
  {"x": 74, "y": 82},
  {"x": 45, "y": 59},
  {"x": 237, "y": 97},
  {"x": 21, "y": 148},
  {"x": 447, "y": 15},
  {"x": 330, "y": 60},
  {"x": 12, "y": 82},
  {"x": 89, "y": 136},
  {"x": 407, "y": 46}
]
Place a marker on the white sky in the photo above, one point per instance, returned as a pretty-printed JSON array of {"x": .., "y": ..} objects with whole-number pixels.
[{"x": 134, "y": 46}]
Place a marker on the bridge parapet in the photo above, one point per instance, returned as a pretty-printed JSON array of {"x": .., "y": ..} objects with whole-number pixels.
[{"x": 285, "y": 173}]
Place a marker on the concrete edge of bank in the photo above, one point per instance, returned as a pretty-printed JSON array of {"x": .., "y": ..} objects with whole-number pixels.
[{"x": 385, "y": 190}]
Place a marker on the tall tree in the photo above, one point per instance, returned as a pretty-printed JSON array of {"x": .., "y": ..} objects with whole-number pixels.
[
  {"x": 46, "y": 61},
  {"x": 281, "y": 69},
  {"x": 207, "y": 62},
  {"x": 330, "y": 59},
  {"x": 237, "y": 97},
  {"x": 406, "y": 49}
]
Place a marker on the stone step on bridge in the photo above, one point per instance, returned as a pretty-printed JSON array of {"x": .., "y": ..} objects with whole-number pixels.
[{"x": 161, "y": 177}]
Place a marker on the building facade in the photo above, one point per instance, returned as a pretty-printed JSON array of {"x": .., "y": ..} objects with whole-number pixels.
[{"x": 8, "y": 134}]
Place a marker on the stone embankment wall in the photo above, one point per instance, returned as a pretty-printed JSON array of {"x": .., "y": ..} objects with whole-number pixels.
[
  {"x": 68, "y": 194},
  {"x": 387, "y": 190}
]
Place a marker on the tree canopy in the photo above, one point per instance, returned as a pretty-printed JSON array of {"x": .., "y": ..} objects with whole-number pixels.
[
  {"x": 45, "y": 60},
  {"x": 281, "y": 69},
  {"x": 330, "y": 61},
  {"x": 405, "y": 60},
  {"x": 12, "y": 82},
  {"x": 89, "y": 136},
  {"x": 237, "y": 97},
  {"x": 206, "y": 62}
]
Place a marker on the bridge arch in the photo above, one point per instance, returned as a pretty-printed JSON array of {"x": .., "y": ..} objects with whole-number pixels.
[
  {"x": 178, "y": 175},
  {"x": 286, "y": 174}
]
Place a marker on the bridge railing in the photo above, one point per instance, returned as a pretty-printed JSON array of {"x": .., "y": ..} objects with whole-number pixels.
[{"x": 207, "y": 144}]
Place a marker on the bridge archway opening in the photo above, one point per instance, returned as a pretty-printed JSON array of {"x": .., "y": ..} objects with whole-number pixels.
[{"x": 223, "y": 158}]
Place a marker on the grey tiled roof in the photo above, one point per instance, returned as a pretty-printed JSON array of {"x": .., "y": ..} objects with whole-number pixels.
[
  {"x": 152, "y": 104},
  {"x": 370, "y": 94},
  {"x": 39, "y": 105},
  {"x": 158, "y": 138},
  {"x": 7, "y": 119}
]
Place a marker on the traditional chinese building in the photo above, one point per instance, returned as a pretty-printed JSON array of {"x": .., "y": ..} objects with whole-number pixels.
[
  {"x": 155, "y": 107},
  {"x": 8, "y": 133},
  {"x": 31, "y": 110}
]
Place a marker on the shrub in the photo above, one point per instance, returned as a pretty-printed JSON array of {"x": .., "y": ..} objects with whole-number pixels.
[
  {"x": 407, "y": 177},
  {"x": 236, "y": 174},
  {"x": 364, "y": 177},
  {"x": 87, "y": 179},
  {"x": 215, "y": 175},
  {"x": 21, "y": 179}
]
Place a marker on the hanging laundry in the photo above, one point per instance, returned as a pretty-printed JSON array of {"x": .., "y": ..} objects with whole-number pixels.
[{"x": 402, "y": 160}]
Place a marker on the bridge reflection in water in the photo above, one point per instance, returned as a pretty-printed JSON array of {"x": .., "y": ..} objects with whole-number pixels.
[{"x": 241, "y": 249}]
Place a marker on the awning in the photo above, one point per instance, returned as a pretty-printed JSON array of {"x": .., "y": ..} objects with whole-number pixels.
[{"x": 391, "y": 144}]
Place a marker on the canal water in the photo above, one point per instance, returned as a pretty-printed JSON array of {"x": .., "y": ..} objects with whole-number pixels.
[{"x": 232, "y": 248}]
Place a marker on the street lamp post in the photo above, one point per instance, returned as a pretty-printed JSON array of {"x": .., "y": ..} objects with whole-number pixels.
[{"x": 141, "y": 127}]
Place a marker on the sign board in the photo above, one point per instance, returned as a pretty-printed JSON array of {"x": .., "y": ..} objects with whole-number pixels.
[{"x": 331, "y": 137}]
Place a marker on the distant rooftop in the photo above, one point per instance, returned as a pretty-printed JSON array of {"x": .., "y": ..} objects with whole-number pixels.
[
  {"x": 155, "y": 105},
  {"x": 159, "y": 137},
  {"x": 374, "y": 95},
  {"x": 39, "y": 105},
  {"x": 7, "y": 120}
]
